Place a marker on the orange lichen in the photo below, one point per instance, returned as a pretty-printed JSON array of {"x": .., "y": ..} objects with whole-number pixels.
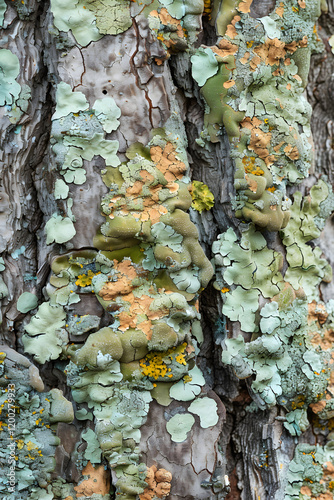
[
  {"x": 291, "y": 152},
  {"x": 167, "y": 20},
  {"x": 244, "y": 6},
  {"x": 280, "y": 9},
  {"x": 231, "y": 32},
  {"x": 244, "y": 60},
  {"x": 226, "y": 48},
  {"x": 98, "y": 481},
  {"x": 254, "y": 62},
  {"x": 126, "y": 273},
  {"x": 317, "y": 407},
  {"x": 158, "y": 483},
  {"x": 259, "y": 140},
  {"x": 252, "y": 184},
  {"x": 316, "y": 312},
  {"x": 305, "y": 490},
  {"x": 293, "y": 46},
  {"x": 228, "y": 84},
  {"x": 271, "y": 51},
  {"x": 166, "y": 161}
]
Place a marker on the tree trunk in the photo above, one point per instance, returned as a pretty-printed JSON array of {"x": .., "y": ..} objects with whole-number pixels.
[{"x": 147, "y": 148}]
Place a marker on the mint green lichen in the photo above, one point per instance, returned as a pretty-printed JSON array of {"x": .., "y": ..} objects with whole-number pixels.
[
  {"x": 251, "y": 265},
  {"x": 269, "y": 317},
  {"x": 26, "y": 302},
  {"x": 61, "y": 190},
  {"x": 296, "y": 422},
  {"x": 93, "y": 451},
  {"x": 179, "y": 426},
  {"x": 89, "y": 20},
  {"x": 250, "y": 268},
  {"x": 107, "y": 112},
  {"x": 3, "y": 8},
  {"x": 288, "y": 369},
  {"x": 206, "y": 409},
  {"x": 204, "y": 65},
  {"x": 9, "y": 71},
  {"x": 83, "y": 414},
  {"x": 20, "y": 106},
  {"x": 187, "y": 390},
  {"x": 241, "y": 305},
  {"x": 182, "y": 8},
  {"x": 68, "y": 101},
  {"x": 61, "y": 410},
  {"x": 84, "y": 139},
  {"x": 73, "y": 16},
  {"x": 63, "y": 296},
  {"x": 43, "y": 334},
  {"x": 270, "y": 27},
  {"x": 187, "y": 280},
  {"x": 307, "y": 268},
  {"x": 59, "y": 229},
  {"x": 308, "y": 468}
]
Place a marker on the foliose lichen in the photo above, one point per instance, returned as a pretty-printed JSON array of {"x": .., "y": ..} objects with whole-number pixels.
[{"x": 252, "y": 82}]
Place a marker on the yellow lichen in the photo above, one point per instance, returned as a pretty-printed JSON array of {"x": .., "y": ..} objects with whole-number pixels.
[
  {"x": 154, "y": 364},
  {"x": 86, "y": 279},
  {"x": 250, "y": 167},
  {"x": 202, "y": 197}
]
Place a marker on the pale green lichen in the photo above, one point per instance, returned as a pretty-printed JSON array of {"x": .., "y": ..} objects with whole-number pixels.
[
  {"x": 26, "y": 302},
  {"x": 93, "y": 451},
  {"x": 311, "y": 468},
  {"x": 89, "y": 20},
  {"x": 68, "y": 101},
  {"x": 250, "y": 268},
  {"x": 203, "y": 65},
  {"x": 61, "y": 190},
  {"x": 189, "y": 387},
  {"x": 3, "y": 8},
  {"x": 59, "y": 229},
  {"x": 43, "y": 338},
  {"x": 206, "y": 409},
  {"x": 82, "y": 136},
  {"x": 112, "y": 16},
  {"x": 9, "y": 71},
  {"x": 288, "y": 369},
  {"x": 307, "y": 268},
  {"x": 179, "y": 426},
  {"x": 74, "y": 17},
  {"x": 61, "y": 410},
  {"x": 107, "y": 112}
]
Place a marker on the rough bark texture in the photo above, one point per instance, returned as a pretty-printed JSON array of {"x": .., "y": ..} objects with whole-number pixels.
[{"x": 125, "y": 372}]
